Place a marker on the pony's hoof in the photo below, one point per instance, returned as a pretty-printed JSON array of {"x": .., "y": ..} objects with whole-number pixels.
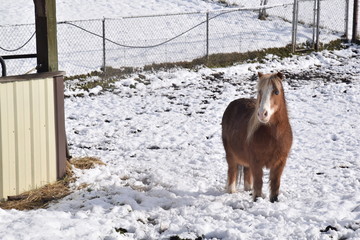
[
  {"x": 256, "y": 197},
  {"x": 230, "y": 191},
  {"x": 247, "y": 187},
  {"x": 231, "y": 188},
  {"x": 274, "y": 199}
]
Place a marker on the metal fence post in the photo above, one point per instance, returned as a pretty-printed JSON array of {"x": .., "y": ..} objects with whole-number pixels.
[
  {"x": 314, "y": 26},
  {"x": 355, "y": 22},
  {"x": 207, "y": 35},
  {"x": 294, "y": 25},
  {"x": 262, "y": 11},
  {"x": 346, "y": 30},
  {"x": 3, "y": 67},
  {"x": 104, "y": 47},
  {"x": 317, "y": 26}
]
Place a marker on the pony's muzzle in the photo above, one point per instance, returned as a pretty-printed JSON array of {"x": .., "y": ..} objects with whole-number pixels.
[{"x": 263, "y": 116}]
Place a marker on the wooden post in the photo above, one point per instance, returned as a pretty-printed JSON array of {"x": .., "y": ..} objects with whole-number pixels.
[{"x": 46, "y": 42}]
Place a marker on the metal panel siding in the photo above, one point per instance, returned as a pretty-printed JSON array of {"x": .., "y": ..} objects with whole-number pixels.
[
  {"x": 51, "y": 131},
  {"x": 22, "y": 129},
  {"x": 27, "y": 135},
  {"x": 7, "y": 140}
]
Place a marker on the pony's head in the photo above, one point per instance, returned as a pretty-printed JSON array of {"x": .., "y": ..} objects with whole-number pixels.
[{"x": 270, "y": 95}]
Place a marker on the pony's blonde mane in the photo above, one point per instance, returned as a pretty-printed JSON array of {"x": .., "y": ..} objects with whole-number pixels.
[{"x": 264, "y": 81}]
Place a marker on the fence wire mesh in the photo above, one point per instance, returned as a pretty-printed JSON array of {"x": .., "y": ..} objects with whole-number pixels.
[
  {"x": 243, "y": 31},
  {"x": 85, "y": 46},
  {"x": 80, "y": 46},
  {"x": 332, "y": 16},
  {"x": 139, "y": 41},
  {"x": 15, "y": 40}
]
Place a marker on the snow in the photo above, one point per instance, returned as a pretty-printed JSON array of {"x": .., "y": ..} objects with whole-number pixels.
[
  {"x": 84, "y": 9},
  {"x": 159, "y": 134},
  {"x": 166, "y": 171}
]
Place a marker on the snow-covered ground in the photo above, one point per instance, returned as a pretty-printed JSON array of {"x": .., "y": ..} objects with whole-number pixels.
[{"x": 159, "y": 134}]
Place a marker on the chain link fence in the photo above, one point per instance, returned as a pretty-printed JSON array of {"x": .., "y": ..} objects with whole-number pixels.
[
  {"x": 333, "y": 15},
  {"x": 139, "y": 41},
  {"x": 85, "y": 46},
  {"x": 80, "y": 46}
]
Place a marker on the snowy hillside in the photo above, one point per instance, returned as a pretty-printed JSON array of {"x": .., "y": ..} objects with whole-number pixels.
[
  {"x": 130, "y": 41},
  {"x": 93, "y": 9}
]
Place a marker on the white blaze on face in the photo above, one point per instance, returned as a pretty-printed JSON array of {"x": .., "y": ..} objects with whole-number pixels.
[{"x": 265, "y": 108}]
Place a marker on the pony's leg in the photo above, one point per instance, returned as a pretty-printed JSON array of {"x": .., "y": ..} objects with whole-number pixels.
[
  {"x": 247, "y": 179},
  {"x": 239, "y": 174},
  {"x": 275, "y": 175},
  {"x": 257, "y": 174},
  {"x": 232, "y": 175}
]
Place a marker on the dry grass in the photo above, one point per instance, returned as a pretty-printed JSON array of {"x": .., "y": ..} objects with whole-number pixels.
[
  {"x": 41, "y": 197},
  {"x": 86, "y": 162}
]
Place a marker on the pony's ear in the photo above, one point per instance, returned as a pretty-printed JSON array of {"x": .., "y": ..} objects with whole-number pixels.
[
  {"x": 280, "y": 75},
  {"x": 260, "y": 74}
]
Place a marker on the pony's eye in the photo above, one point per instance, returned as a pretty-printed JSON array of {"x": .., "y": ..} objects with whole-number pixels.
[{"x": 276, "y": 92}]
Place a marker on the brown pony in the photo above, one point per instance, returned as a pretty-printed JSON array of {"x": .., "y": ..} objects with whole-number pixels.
[{"x": 256, "y": 133}]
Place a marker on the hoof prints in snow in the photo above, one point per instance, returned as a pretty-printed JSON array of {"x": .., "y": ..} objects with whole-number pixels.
[
  {"x": 167, "y": 180},
  {"x": 175, "y": 171}
]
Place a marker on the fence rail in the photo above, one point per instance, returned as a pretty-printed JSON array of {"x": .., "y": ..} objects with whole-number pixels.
[{"x": 85, "y": 46}]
